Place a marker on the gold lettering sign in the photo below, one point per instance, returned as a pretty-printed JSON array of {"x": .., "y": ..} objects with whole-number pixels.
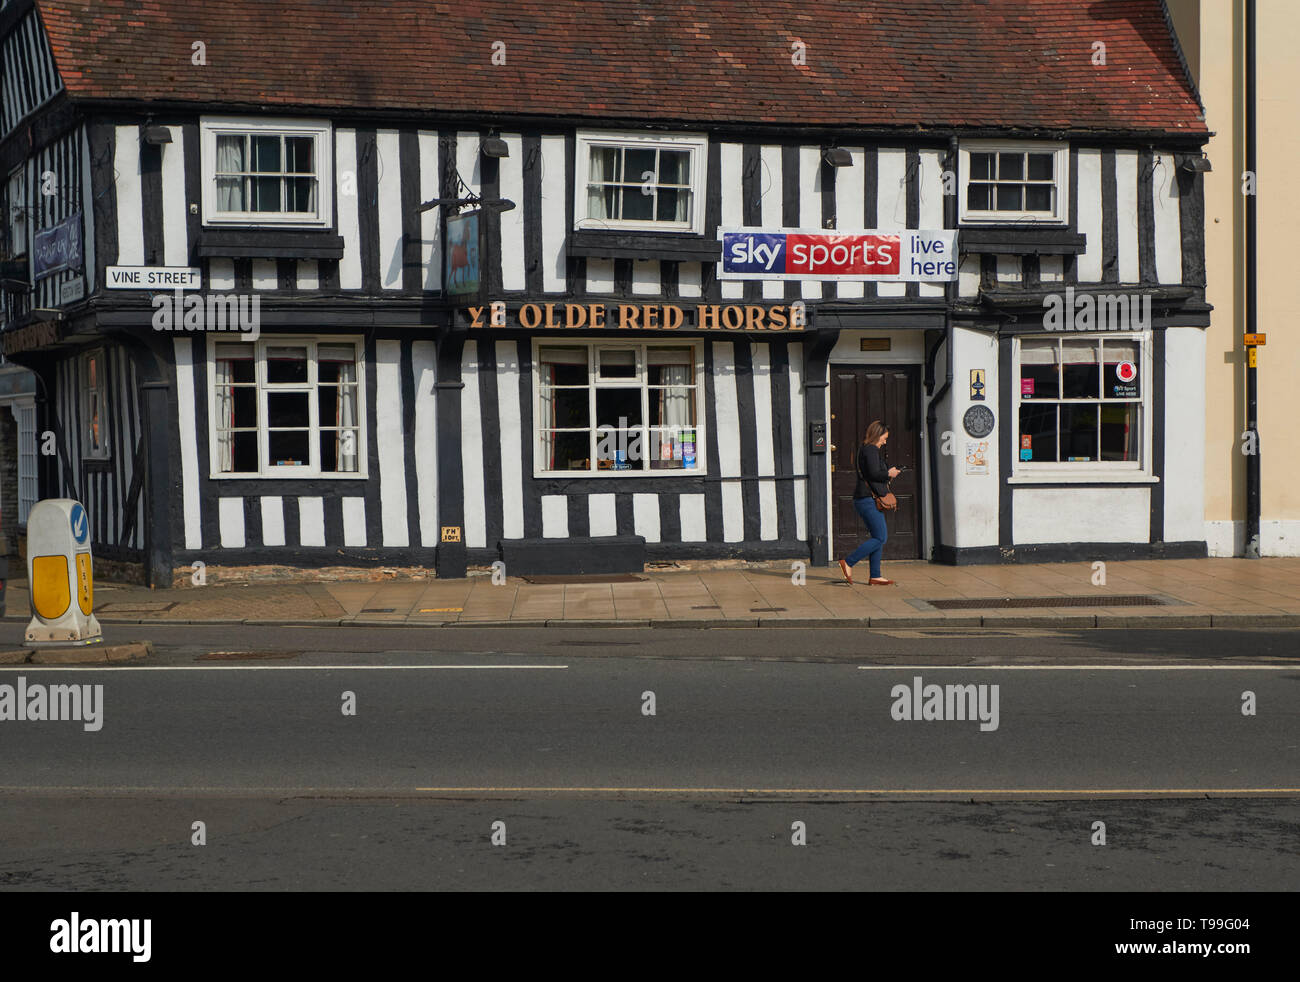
[
  {"x": 451, "y": 533},
  {"x": 33, "y": 336},
  {"x": 645, "y": 317}
]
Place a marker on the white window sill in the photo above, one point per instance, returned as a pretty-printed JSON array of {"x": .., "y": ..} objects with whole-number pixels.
[
  {"x": 1083, "y": 477},
  {"x": 290, "y": 477},
  {"x": 607, "y": 474}
]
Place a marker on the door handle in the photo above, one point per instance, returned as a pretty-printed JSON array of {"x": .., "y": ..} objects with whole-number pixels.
[{"x": 833, "y": 448}]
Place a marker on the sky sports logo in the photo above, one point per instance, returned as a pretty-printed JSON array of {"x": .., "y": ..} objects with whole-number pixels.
[{"x": 919, "y": 255}]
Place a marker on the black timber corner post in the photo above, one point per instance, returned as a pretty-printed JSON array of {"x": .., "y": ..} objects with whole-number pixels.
[{"x": 452, "y": 558}]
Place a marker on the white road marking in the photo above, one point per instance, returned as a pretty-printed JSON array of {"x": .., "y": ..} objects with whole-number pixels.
[
  {"x": 1080, "y": 668},
  {"x": 261, "y": 668}
]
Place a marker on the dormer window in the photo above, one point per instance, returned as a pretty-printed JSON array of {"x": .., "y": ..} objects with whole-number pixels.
[
  {"x": 640, "y": 182},
  {"x": 1015, "y": 182},
  {"x": 267, "y": 172}
]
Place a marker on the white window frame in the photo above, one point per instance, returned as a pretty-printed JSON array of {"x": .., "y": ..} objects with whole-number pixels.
[
  {"x": 17, "y": 187},
  {"x": 24, "y": 414},
  {"x": 1060, "y": 171},
  {"x": 701, "y": 435},
  {"x": 269, "y": 470},
  {"x": 210, "y": 127},
  {"x": 697, "y": 145},
  {"x": 88, "y": 450},
  {"x": 1091, "y": 471}
]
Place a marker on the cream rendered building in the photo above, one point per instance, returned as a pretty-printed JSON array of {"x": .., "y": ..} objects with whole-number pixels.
[{"x": 1212, "y": 35}]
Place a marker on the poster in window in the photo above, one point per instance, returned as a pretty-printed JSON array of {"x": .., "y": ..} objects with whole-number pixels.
[
  {"x": 1026, "y": 447},
  {"x": 461, "y": 265},
  {"x": 1124, "y": 383},
  {"x": 688, "y": 448}
]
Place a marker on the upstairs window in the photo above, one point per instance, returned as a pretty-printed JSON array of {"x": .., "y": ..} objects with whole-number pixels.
[
  {"x": 641, "y": 182},
  {"x": 16, "y": 229},
  {"x": 266, "y": 172},
  {"x": 94, "y": 413},
  {"x": 1015, "y": 182}
]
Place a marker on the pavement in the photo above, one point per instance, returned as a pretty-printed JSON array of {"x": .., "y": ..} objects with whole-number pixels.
[{"x": 1232, "y": 593}]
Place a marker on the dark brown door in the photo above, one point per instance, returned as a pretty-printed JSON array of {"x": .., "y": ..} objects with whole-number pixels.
[{"x": 891, "y": 394}]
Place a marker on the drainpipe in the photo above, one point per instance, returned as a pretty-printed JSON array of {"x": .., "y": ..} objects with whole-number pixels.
[
  {"x": 931, "y": 416},
  {"x": 1252, "y": 383}
]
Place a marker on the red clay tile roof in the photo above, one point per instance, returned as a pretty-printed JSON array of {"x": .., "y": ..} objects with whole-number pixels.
[{"x": 871, "y": 63}]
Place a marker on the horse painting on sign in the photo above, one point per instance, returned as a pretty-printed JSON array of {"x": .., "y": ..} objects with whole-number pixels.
[{"x": 462, "y": 253}]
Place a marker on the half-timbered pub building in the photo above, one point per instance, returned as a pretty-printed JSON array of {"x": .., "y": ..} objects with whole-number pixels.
[{"x": 421, "y": 284}]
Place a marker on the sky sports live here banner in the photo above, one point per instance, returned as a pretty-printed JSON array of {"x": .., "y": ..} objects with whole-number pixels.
[{"x": 905, "y": 255}]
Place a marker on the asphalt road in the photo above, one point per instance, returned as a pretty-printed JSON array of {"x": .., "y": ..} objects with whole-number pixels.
[{"x": 548, "y": 733}]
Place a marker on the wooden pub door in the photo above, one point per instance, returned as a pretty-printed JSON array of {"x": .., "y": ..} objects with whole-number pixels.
[{"x": 892, "y": 394}]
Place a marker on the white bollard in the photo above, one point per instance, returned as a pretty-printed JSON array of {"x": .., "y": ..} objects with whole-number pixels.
[{"x": 60, "y": 575}]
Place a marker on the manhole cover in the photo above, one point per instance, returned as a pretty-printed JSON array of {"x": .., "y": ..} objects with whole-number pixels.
[
  {"x": 999, "y": 603},
  {"x": 247, "y": 655},
  {"x": 588, "y": 578}
]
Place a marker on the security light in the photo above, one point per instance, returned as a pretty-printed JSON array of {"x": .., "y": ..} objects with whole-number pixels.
[
  {"x": 837, "y": 157},
  {"x": 1197, "y": 165},
  {"x": 156, "y": 136},
  {"x": 494, "y": 146}
]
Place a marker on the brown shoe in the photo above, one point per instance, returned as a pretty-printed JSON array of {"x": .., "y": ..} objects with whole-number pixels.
[
  {"x": 844, "y": 568},
  {"x": 881, "y": 581}
]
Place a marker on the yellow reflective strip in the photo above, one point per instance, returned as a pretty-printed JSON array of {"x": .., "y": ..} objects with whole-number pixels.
[{"x": 50, "y": 586}]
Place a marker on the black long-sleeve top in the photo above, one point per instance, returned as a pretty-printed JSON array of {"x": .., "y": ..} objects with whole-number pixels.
[{"x": 872, "y": 464}]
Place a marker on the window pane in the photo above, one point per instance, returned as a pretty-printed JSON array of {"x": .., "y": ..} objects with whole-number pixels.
[
  {"x": 981, "y": 166},
  {"x": 243, "y": 407},
  {"x": 1009, "y": 197},
  {"x": 243, "y": 453},
  {"x": 338, "y": 450},
  {"x": 265, "y": 154},
  {"x": 619, "y": 448},
  {"x": 1038, "y": 432},
  {"x": 1039, "y": 378},
  {"x": 672, "y": 205},
  {"x": 602, "y": 201},
  {"x": 618, "y": 407},
  {"x": 230, "y": 194},
  {"x": 565, "y": 356},
  {"x": 289, "y": 448},
  {"x": 1011, "y": 166},
  {"x": 567, "y": 451},
  {"x": 637, "y": 205},
  {"x": 674, "y": 406},
  {"x": 668, "y": 356},
  {"x": 298, "y": 155},
  {"x": 286, "y": 364},
  {"x": 617, "y": 363},
  {"x": 1040, "y": 166},
  {"x": 979, "y": 197},
  {"x": 1038, "y": 198},
  {"x": 1120, "y": 434},
  {"x": 674, "y": 167},
  {"x": 302, "y": 194},
  {"x": 235, "y": 363},
  {"x": 1123, "y": 370},
  {"x": 565, "y": 408},
  {"x": 287, "y": 409},
  {"x": 266, "y": 194},
  {"x": 605, "y": 163},
  {"x": 230, "y": 154},
  {"x": 1078, "y": 432},
  {"x": 636, "y": 163},
  {"x": 1082, "y": 374}
]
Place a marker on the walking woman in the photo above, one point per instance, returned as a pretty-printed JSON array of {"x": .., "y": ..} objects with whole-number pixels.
[{"x": 873, "y": 483}]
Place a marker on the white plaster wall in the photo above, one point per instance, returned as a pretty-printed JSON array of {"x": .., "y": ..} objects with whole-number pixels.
[
  {"x": 1184, "y": 409},
  {"x": 969, "y": 502},
  {"x": 1080, "y": 515},
  {"x": 905, "y": 347}
]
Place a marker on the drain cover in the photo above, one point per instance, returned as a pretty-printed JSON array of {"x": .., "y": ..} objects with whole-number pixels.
[{"x": 999, "y": 603}]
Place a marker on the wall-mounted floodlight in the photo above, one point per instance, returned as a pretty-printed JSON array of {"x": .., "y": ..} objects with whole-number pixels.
[
  {"x": 156, "y": 136},
  {"x": 1197, "y": 165},
  {"x": 494, "y": 146},
  {"x": 837, "y": 157}
]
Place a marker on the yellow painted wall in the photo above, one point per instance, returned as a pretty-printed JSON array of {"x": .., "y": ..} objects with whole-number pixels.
[{"x": 1212, "y": 35}]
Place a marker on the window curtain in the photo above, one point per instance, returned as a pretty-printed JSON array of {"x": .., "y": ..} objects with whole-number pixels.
[
  {"x": 225, "y": 417},
  {"x": 347, "y": 417},
  {"x": 230, "y": 160},
  {"x": 546, "y": 415},
  {"x": 598, "y": 176}
]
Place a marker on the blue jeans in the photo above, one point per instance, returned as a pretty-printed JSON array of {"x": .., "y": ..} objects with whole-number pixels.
[{"x": 875, "y": 545}]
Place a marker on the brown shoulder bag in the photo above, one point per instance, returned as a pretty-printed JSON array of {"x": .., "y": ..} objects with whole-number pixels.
[{"x": 887, "y": 503}]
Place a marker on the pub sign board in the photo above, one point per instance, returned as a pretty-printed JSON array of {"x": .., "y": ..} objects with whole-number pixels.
[
  {"x": 57, "y": 248},
  {"x": 636, "y": 317},
  {"x": 462, "y": 263}
]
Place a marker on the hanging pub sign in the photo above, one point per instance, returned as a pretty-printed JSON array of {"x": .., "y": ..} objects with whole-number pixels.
[
  {"x": 906, "y": 255},
  {"x": 57, "y": 248},
  {"x": 462, "y": 262}
]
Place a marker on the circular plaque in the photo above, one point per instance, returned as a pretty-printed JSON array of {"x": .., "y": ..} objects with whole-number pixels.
[{"x": 978, "y": 421}]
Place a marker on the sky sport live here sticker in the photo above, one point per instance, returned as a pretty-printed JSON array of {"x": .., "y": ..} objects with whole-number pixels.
[{"x": 908, "y": 255}]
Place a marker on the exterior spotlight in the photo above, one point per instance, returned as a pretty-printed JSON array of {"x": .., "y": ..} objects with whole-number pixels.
[
  {"x": 1196, "y": 165},
  {"x": 837, "y": 157},
  {"x": 494, "y": 146},
  {"x": 156, "y": 136}
]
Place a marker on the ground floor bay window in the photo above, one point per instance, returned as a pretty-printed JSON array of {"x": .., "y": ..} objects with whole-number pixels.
[
  {"x": 617, "y": 408},
  {"x": 287, "y": 407},
  {"x": 1082, "y": 404}
]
